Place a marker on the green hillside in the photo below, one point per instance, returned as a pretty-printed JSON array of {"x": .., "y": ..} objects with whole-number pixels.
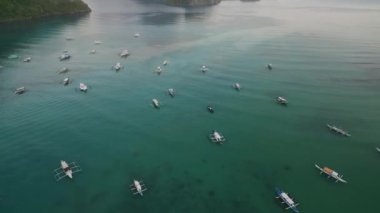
[{"x": 26, "y": 9}]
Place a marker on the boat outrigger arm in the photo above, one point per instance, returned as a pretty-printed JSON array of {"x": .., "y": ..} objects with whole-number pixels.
[
  {"x": 61, "y": 173},
  {"x": 331, "y": 173},
  {"x": 291, "y": 207}
]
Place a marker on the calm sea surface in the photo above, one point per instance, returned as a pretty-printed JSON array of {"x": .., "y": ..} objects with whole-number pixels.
[{"x": 326, "y": 63}]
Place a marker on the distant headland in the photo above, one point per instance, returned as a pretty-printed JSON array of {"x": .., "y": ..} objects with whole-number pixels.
[{"x": 12, "y": 10}]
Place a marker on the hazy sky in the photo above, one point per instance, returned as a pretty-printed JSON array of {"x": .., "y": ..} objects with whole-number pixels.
[{"x": 329, "y": 2}]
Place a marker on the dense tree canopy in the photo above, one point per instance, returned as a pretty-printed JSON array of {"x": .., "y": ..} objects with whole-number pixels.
[{"x": 23, "y": 9}]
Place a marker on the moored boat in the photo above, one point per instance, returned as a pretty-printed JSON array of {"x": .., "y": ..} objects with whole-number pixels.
[
  {"x": 158, "y": 70},
  {"x": 155, "y": 103},
  {"x": 204, "y": 69},
  {"x": 269, "y": 66},
  {"x": 236, "y": 86},
  {"x": 138, "y": 187},
  {"x": 27, "y": 59},
  {"x": 217, "y": 137},
  {"x": 66, "y": 170},
  {"x": 165, "y": 63},
  {"x": 66, "y": 81},
  {"x": 117, "y": 66},
  {"x": 63, "y": 70},
  {"x": 64, "y": 56},
  {"x": 136, "y": 35},
  {"x": 124, "y": 53},
  {"x": 378, "y": 149},
  {"x": 92, "y": 51},
  {"x": 282, "y": 100},
  {"x": 83, "y": 87},
  {"x": 20, "y": 90},
  {"x": 338, "y": 130},
  {"x": 171, "y": 92},
  {"x": 331, "y": 173},
  {"x": 287, "y": 200},
  {"x": 210, "y": 109},
  {"x": 98, "y": 42}
]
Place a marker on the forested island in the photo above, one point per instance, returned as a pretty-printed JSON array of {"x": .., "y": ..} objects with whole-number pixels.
[{"x": 11, "y": 10}]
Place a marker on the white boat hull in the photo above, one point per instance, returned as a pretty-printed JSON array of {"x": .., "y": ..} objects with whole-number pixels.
[
  {"x": 237, "y": 86},
  {"x": 20, "y": 90},
  {"x": 171, "y": 92},
  {"x": 124, "y": 53},
  {"x": 67, "y": 169},
  {"x": 156, "y": 103},
  {"x": 138, "y": 187},
  {"x": 83, "y": 87},
  {"x": 66, "y": 81}
]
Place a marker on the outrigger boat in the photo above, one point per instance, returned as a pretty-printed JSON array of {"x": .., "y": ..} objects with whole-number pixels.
[
  {"x": 171, "y": 92},
  {"x": 204, "y": 69},
  {"x": 158, "y": 70},
  {"x": 66, "y": 81},
  {"x": 216, "y": 137},
  {"x": 63, "y": 70},
  {"x": 83, "y": 87},
  {"x": 331, "y": 173},
  {"x": 124, "y": 53},
  {"x": 66, "y": 170},
  {"x": 138, "y": 187},
  {"x": 236, "y": 86},
  {"x": 287, "y": 200},
  {"x": 27, "y": 59},
  {"x": 269, "y": 66},
  {"x": 338, "y": 130},
  {"x": 282, "y": 100},
  {"x": 155, "y": 103},
  {"x": 210, "y": 109},
  {"x": 64, "y": 56},
  {"x": 20, "y": 90},
  {"x": 117, "y": 66}
]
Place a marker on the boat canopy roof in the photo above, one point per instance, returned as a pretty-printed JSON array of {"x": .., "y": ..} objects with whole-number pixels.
[{"x": 328, "y": 170}]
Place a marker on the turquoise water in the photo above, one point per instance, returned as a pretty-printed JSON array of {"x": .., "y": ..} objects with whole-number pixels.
[{"x": 326, "y": 63}]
